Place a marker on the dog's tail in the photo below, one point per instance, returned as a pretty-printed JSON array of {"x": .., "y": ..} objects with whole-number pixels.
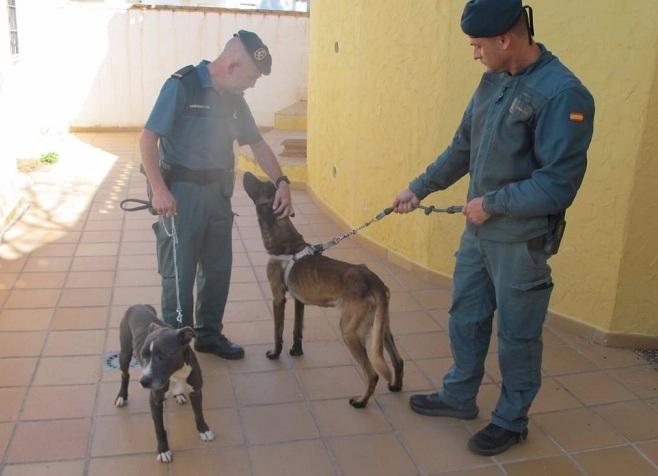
[{"x": 380, "y": 326}]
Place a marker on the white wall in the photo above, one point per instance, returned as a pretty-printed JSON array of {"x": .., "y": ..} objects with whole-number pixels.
[
  {"x": 9, "y": 193},
  {"x": 93, "y": 65}
]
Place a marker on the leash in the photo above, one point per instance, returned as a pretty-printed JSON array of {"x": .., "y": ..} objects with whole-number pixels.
[
  {"x": 320, "y": 248},
  {"x": 174, "y": 241},
  {"x": 145, "y": 205},
  {"x": 141, "y": 205}
]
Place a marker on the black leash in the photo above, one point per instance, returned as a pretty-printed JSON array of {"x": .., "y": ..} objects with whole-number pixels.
[
  {"x": 451, "y": 209},
  {"x": 142, "y": 205}
]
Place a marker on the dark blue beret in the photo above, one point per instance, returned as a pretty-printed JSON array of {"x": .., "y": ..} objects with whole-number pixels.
[
  {"x": 258, "y": 52},
  {"x": 486, "y": 18}
]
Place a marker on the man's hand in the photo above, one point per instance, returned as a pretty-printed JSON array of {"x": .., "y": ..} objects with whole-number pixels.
[
  {"x": 474, "y": 211},
  {"x": 405, "y": 202},
  {"x": 163, "y": 202},
  {"x": 282, "y": 204}
]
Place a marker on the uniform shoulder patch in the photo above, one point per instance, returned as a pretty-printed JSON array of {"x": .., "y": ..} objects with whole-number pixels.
[
  {"x": 183, "y": 72},
  {"x": 576, "y": 117}
]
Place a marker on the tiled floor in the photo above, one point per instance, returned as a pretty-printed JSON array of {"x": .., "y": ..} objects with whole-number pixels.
[{"x": 74, "y": 263}]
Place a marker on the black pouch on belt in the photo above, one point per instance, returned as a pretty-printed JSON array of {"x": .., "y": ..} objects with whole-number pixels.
[{"x": 556, "y": 226}]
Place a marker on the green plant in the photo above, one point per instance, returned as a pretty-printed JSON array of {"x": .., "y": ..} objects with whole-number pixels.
[{"x": 49, "y": 158}]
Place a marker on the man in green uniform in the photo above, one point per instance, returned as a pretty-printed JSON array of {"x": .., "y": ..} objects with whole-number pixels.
[
  {"x": 187, "y": 154},
  {"x": 523, "y": 140}
]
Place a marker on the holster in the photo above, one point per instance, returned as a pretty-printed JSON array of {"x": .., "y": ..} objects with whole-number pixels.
[{"x": 556, "y": 225}]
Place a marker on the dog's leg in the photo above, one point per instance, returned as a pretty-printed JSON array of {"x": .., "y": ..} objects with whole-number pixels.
[
  {"x": 296, "y": 348},
  {"x": 354, "y": 333},
  {"x": 398, "y": 363},
  {"x": 196, "y": 381},
  {"x": 125, "y": 355},
  {"x": 278, "y": 309},
  {"x": 156, "y": 402}
]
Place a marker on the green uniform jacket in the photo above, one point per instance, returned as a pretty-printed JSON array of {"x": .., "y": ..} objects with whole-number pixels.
[{"x": 523, "y": 140}]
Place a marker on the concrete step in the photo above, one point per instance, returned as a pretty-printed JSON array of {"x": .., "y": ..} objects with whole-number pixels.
[
  {"x": 289, "y": 147},
  {"x": 292, "y": 117}
]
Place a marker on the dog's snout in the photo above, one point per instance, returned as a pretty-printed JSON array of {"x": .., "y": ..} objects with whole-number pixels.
[{"x": 146, "y": 381}]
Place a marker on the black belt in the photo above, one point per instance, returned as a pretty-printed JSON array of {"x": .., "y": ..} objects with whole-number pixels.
[{"x": 174, "y": 172}]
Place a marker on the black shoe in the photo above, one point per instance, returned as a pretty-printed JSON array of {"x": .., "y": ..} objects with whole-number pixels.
[
  {"x": 492, "y": 440},
  {"x": 221, "y": 347},
  {"x": 432, "y": 405}
]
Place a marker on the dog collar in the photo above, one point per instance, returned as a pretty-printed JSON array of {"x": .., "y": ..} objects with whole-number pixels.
[{"x": 292, "y": 259}]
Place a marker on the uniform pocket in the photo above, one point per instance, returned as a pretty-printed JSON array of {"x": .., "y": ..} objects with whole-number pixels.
[{"x": 538, "y": 285}]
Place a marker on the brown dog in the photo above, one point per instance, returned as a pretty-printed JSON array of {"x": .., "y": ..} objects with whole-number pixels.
[{"x": 317, "y": 280}]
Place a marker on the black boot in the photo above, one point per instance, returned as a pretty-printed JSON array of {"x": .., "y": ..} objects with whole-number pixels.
[
  {"x": 221, "y": 347},
  {"x": 492, "y": 440},
  {"x": 431, "y": 405}
]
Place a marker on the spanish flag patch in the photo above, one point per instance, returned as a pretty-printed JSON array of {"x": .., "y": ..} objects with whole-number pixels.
[{"x": 576, "y": 117}]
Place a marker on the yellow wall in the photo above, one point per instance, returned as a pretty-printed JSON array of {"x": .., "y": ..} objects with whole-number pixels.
[{"x": 383, "y": 106}]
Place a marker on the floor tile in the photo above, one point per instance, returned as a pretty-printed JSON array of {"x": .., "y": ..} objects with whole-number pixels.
[
  {"x": 47, "y": 264},
  {"x": 483, "y": 471},
  {"x": 137, "y": 277},
  {"x": 609, "y": 357},
  {"x": 51, "y": 468},
  {"x": 90, "y": 279},
  {"x": 42, "y": 441},
  {"x": 561, "y": 466},
  {"x": 137, "y": 465},
  {"x": 331, "y": 382},
  {"x": 40, "y": 280},
  {"x": 615, "y": 461},
  {"x": 102, "y": 236},
  {"x": 229, "y": 461},
  {"x": 248, "y": 311},
  {"x": 21, "y": 344},
  {"x": 77, "y": 342},
  {"x": 402, "y": 301},
  {"x": 427, "y": 345},
  {"x": 277, "y": 423},
  {"x": 138, "y": 399},
  {"x": 68, "y": 370},
  {"x": 650, "y": 449},
  {"x": 643, "y": 381},
  {"x": 552, "y": 397},
  {"x": 183, "y": 434},
  {"x": 85, "y": 297},
  {"x": 291, "y": 459},
  {"x": 565, "y": 360},
  {"x": 47, "y": 403},
  {"x": 635, "y": 420},
  {"x": 16, "y": 371},
  {"x": 97, "y": 249},
  {"x": 371, "y": 455},
  {"x": 330, "y": 353},
  {"x": 79, "y": 318},
  {"x": 12, "y": 265},
  {"x": 411, "y": 322},
  {"x": 580, "y": 429},
  {"x": 136, "y": 294},
  {"x": 25, "y": 319},
  {"x": 434, "y": 298},
  {"x": 595, "y": 388},
  {"x": 396, "y": 408},
  {"x": 94, "y": 263},
  {"x": 266, "y": 387},
  {"x": 12, "y": 400},
  {"x": 339, "y": 418},
  {"x": 138, "y": 435},
  {"x": 32, "y": 298},
  {"x": 424, "y": 445}
]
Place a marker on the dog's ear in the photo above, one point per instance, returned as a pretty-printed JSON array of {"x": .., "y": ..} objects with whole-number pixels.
[{"x": 186, "y": 334}]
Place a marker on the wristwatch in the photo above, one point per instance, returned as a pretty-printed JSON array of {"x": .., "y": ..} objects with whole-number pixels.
[{"x": 283, "y": 178}]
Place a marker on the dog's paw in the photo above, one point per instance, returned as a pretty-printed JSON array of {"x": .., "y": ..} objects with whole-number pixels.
[
  {"x": 358, "y": 403},
  {"x": 181, "y": 399},
  {"x": 395, "y": 388},
  {"x": 296, "y": 351},
  {"x": 165, "y": 457},
  {"x": 273, "y": 354},
  {"x": 207, "y": 436},
  {"x": 121, "y": 402}
]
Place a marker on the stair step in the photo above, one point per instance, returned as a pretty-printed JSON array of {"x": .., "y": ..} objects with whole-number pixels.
[{"x": 292, "y": 117}]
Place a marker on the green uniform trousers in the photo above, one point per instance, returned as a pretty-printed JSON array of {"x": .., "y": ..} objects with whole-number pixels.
[
  {"x": 513, "y": 280},
  {"x": 204, "y": 222}
]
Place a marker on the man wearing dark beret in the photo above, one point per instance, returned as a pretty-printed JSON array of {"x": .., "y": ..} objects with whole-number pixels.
[
  {"x": 523, "y": 141},
  {"x": 187, "y": 155}
]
